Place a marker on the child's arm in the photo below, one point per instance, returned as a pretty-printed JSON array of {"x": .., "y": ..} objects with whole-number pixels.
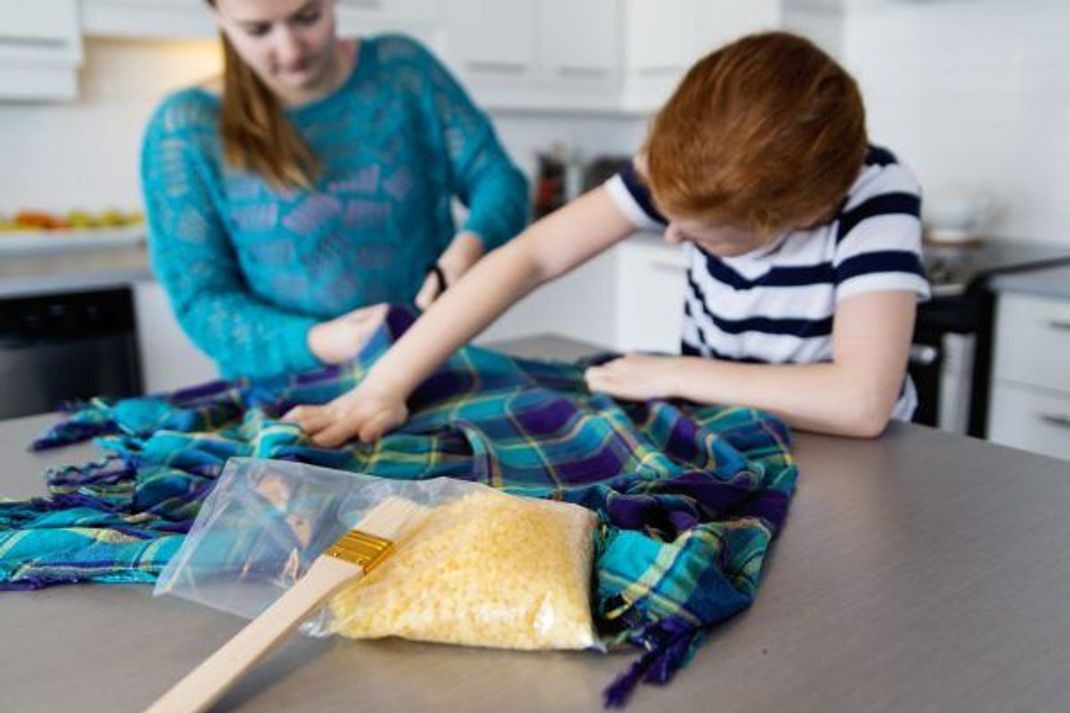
[
  {"x": 546, "y": 250},
  {"x": 854, "y": 395}
]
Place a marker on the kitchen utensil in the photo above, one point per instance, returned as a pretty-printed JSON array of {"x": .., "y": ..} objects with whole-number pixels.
[{"x": 353, "y": 555}]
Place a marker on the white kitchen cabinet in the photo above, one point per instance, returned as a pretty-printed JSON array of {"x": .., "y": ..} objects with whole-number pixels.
[
  {"x": 650, "y": 282},
  {"x": 1030, "y": 405},
  {"x": 169, "y": 360},
  {"x": 581, "y": 305},
  {"x": 822, "y": 21},
  {"x": 661, "y": 42},
  {"x": 192, "y": 19},
  {"x": 580, "y": 40},
  {"x": 1030, "y": 418},
  {"x": 493, "y": 43},
  {"x": 663, "y": 39},
  {"x": 419, "y": 18},
  {"x": 40, "y": 49},
  {"x": 721, "y": 21},
  {"x": 629, "y": 298},
  {"x": 553, "y": 55},
  {"x": 159, "y": 19},
  {"x": 536, "y": 54}
]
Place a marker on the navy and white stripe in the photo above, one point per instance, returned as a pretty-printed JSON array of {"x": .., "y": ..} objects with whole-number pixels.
[{"x": 776, "y": 304}]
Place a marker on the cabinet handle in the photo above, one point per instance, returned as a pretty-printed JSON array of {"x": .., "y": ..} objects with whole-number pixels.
[
  {"x": 1056, "y": 419},
  {"x": 577, "y": 71},
  {"x": 497, "y": 67},
  {"x": 48, "y": 43},
  {"x": 1059, "y": 324},
  {"x": 364, "y": 4},
  {"x": 661, "y": 69},
  {"x": 923, "y": 355}
]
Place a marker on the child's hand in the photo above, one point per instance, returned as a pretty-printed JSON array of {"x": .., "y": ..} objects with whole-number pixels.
[
  {"x": 363, "y": 412},
  {"x": 634, "y": 377}
]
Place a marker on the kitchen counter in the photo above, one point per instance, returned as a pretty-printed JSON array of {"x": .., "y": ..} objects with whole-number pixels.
[
  {"x": 73, "y": 270},
  {"x": 89, "y": 268},
  {"x": 1049, "y": 282},
  {"x": 922, "y": 571}
]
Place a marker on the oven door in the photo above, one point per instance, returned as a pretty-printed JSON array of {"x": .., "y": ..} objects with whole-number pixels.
[
  {"x": 943, "y": 375},
  {"x": 59, "y": 348},
  {"x": 942, "y": 360}
]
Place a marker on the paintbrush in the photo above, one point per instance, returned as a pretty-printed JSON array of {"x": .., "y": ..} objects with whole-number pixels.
[{"x": 355, "y": 554}]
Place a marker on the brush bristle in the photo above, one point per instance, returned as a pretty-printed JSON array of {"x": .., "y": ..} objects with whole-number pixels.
[
  {"x": 391, "y": 518},
  {"x": 373, "y": 537}
]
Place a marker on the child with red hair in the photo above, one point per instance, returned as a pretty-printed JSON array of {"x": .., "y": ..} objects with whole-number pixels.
[{"x": 805, "y": 256}]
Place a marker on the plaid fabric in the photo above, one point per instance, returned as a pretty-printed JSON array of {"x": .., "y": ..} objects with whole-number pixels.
[{"x": 689, "y": 497}]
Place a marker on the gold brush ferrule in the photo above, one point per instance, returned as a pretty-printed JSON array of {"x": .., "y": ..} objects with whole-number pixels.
[{"x": 361, "y": 548}]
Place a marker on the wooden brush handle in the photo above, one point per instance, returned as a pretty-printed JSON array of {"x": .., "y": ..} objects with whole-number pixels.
[{"x": 209, "y": 681}]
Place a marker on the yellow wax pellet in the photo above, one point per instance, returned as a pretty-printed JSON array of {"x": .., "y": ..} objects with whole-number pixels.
[{"x": 487, "y": 569}]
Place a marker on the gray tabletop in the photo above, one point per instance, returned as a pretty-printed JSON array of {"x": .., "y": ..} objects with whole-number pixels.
[
  {"x": 918, "y": 572},
  {"x": 1049, "y": 282}
]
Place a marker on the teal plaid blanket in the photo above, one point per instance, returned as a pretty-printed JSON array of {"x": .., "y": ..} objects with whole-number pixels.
[{"x": 689, "y": 497}]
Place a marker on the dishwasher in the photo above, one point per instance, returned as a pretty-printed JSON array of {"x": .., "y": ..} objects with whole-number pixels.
[{"x": 58, "y": 348}]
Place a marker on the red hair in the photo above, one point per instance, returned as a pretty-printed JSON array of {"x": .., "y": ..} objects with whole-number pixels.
[{"x": 766, "y": 134}]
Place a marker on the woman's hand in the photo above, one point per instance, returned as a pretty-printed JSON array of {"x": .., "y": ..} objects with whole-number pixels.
[
  {"x": 341, "y": 339},
  {"x": 463, "y": 252},
  {"x": 364, "y": 412},
  {"x": 634, "y": 377}
]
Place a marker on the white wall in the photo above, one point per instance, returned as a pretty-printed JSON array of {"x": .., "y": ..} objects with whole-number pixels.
[
  {"x": 85, "y": 153},
  {"x": 975, "y": 95}
]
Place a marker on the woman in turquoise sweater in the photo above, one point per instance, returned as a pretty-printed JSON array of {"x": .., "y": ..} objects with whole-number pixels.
[{"x": 312, "y": 184}]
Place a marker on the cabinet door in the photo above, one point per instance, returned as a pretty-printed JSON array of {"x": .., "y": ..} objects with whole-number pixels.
[
  {"x": 421, "y": 18},
  {"x": 1034, "y": 419},
  {"x": 581, "y": 40},
  {"x": 42, "y": 30},
  {"x": 661, "y": 36},
  {"x": 394, "y": 9},
  {"x": 493, "y": 40},
  {"x": 148, "y": 18},
  {"x": 661, "y": 39},
  {"x": 169, "y": 360},
  {"x": 579, "y": 305},
  {"x": 40, "y": 49},
  {"x": 722, "y": 21},
  {"x": 1032, "y": 342},
  {"x": 651, "y": 278}
]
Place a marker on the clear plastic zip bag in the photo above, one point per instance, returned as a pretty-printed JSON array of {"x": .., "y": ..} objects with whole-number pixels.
[{"x": 483, "y": 568}]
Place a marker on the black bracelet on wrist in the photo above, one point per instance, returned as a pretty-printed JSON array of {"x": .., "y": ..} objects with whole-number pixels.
[{"x": 440, "y": 277}]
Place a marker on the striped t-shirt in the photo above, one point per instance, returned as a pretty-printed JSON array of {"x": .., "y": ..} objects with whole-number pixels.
[{"x": 775, "y": 305}]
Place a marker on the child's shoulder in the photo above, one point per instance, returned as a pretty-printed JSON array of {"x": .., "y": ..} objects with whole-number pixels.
[{"x": 882, "y": 174}]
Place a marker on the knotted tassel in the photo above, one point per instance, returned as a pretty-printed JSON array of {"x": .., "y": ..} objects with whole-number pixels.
[{"x": 669, "y": 645}]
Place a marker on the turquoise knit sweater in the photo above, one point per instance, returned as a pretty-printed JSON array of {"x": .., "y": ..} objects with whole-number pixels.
[{"x": 250, "y": 269}]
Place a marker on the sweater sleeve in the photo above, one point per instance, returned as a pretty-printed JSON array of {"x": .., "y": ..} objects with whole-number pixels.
[
  {"x": 192, "y": 255},
  {"x": 481, "y": 173}
]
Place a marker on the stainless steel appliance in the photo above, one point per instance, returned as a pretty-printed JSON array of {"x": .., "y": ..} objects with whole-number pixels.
[
  {"x": 951, "y": 358},
  {"x": 61, "y": 347}
]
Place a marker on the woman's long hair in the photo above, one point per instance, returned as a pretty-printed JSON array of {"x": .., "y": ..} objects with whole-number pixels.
[{"x": 256, "y": 134}]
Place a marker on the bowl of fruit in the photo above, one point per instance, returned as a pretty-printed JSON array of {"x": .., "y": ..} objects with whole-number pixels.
[{"x": 40, "y": 230}]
